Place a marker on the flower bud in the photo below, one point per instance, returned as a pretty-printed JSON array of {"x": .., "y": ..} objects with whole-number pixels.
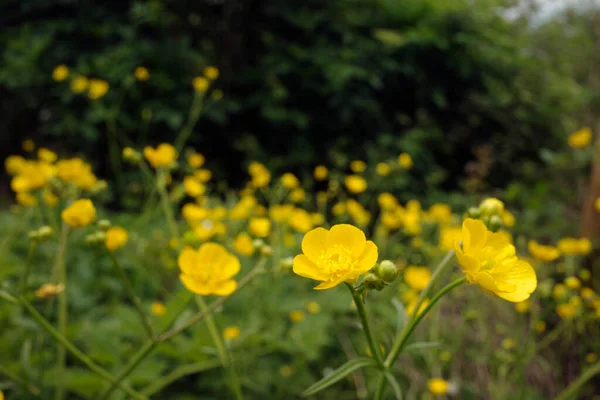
[
  {"x": 33, "y": 236},
  {"x": 372, "y": 281},
  {"x": 266, "y": 250},
  {"x": 474, "y": 212},
  {"x": 495, "y": 223},
  {"x": 286, "y": 263},
  {"x": 258, "y": 243},
  {"x": 491, "y": 206},
  {"x": 45, "y": 232},
  {"x": 387, "y": 271},
  {"x": 104, "y": 224}
]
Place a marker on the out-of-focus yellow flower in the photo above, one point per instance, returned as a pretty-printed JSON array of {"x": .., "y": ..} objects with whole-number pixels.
[
  {"x": 76, "y": 171},
  {"x": 449, "y": 235},
  {"x": 488, "y": 260},
  {"x": 46, "y": 155},
  {"x": 417, "y": 277},
  {"x": 97, "y": 88},
  {"x": 383, "y": 169},
  {"x": 243, "y": 244},
  {"x": 289, "y": 240},
  {"x": 79, "y": 84},
  {"x": 163, "y": 156},
  {"x": 438, "y": 386},
  {"x": 508, "y": 219},
  {"x": 289, "y": 180},
  {"x": 573, "y": 246},
  {"x": 203, "y": 175},
  {"x": 405, "y": 161},
  {"x": 338, "y": 208},
  {"x": 541, "y": 252},
  {"x": 580, "y": 138},
  {"x": 387, "y": 201},
  {"x": 410, "y": 308},
  {"x": 281, "y": 212},
  {"x": 358, "y": 166},
  {"x": 26, "y": 199},
  {"x": 141, "y": 74},
  {"x": 523, "y": 306},
  {"x": 591, "y": 358},
  {"x": 559, "y": 291},
  {"x": 572, "y": 282},
  {"x": 355, "y": 183},
  {"x": 587, "y": 293},
  {"x": 297, "y": 316},
  {"x": 317, "y": 219},
  {"x": 334, "y": 256},
  {"x": 297, "y": 195},
  {"x": 540, "y": 326},
  {"x": 32, "y": 175},
  {"x": 195, "y": 160},
  {"x": 585, "y": 274},
  {"x": 193, "y": 213},
  {"x": 158, "y": 309},
  {"x": 116, "y": 237},
  {"x": 445, "y": 356},
  {"x": 320, "y": 173},
  {"x": 48, "y": 290},
  {"x": 211, "y": 72},
  {"x": 60, "y": 73},
  {"x": 260, "y": 175},
  {"x": 597, "y": 204},
  {"x": 567, "y": 310},
  {"x": 301, "y": 221},
  {"x": 193, "y": 187},
  {"x": 260, "y": 227},
  {"x": 208, "y": 270},
  {"x": 79, "y": 214},
  {"x": 200, "y": 84},
  {"x": 28, "y": 145},
  {"x": 313, "y": 307},
  {"x": 508, "y": 343},
  {"x": 440, "y": 212},
  {"x": 286, "y": 371},
  {"x": 14, "y": 164},
  {"x": 231, "y": 333}
]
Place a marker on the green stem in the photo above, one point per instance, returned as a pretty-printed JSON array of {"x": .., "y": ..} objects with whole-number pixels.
[
  {"x": 179, "y": 373},
  {"x": 364, "y": 320},
  {"x": 194, "y": 115},
  {"x": 380, "y": 387},
  {"x": 403, "y": 337},
  {"x": 60, "y": 338},
  {"x": 164, "y": 200},
  {"x": 20, "y": 381},
  {"x": 224, "y": 356},
  {"x": 61, "y": 278},
  {"x": 142, "y": 353},
  {"x": 572, "y": 389},
  {"x": 25, "y": 277},
  {"x": 131, "y": 292}
]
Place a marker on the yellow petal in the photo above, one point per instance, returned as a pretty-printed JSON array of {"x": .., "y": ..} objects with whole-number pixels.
[
  {"x": 225, "y": 288},
  {"x": 212, "y": 253},
  {"x": 347, "y": 236},
  {"x": 187, "y": 260},
  {"x": 474, "y": 235},
  {"x": 520, "y": 274},
  {"x": 313, "y": 244},
  {"x": 304, "y": 267},
  {"x": 469, "y": 264},
  {"x": 369, "y": 257},
  {"x": 231, "y": 267},
  {"x": 195, "y": 285},
  {"x": 329, "y": 284}
]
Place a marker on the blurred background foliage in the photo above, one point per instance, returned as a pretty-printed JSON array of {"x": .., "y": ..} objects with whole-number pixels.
[{"x": 469, "y": 91}]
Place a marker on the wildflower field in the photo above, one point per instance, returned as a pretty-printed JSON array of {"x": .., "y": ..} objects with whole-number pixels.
[{"x": 204, "y": 232}]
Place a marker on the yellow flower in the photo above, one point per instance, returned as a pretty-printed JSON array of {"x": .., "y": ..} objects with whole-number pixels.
[
  {"x": 574, "y": 246},
  {"x": 297, "y": 195},
  {"x": 448, "y": 236},
  {"x": 141, "y": 74},
  {"x": 567, "y": 310},
  {"x": 572, "y": 282},
  {"x": 387, "y": 201},
  {"x": 490, "y": 261},
  {"x": 358, "y": 166},
  {"x": 334, "y": 256},
  {"x": 116, "y": 237},
  {"x": 591, "y": 358},
  {"x": 523, "y": 306},
  {"x": 383, "y": 169},
  {"x": 580, "y": 138},
  {"x": 301, "y": 221},
  {"x": 260, "y": 175},
  {"x": 158, "y": 309},
  {"x": 211, "y": 72},
  {"x": 208, "y": 270},
  {"x": 25, "y": 199},
  {"x": 76, "y": 171},
  {"x": 203, "y": 175},
  {"x": 410, "y": 308},
  {"x": 79, "y": 84},
  {"x": 163, "y": 156},
  {"x": 313, "y": 307},
  {"x": 49, "y": 290},
  {"x": 32, "y": 175},
  {"x": 97, "y": 88},
  {"x": 356, "y": 183},
  {"x": 14, "y": 164},
  {"x": 508, "y": 343},
  {"x": 60, "y": 73},
  {"x": 508, "y": 219},
  {"x": 541, "y": 252},
  {"x": 438, "y": 386},
  {"x": 405, "y": 161},
  {"x": 195, "y": 160},
  {"x": 289, "y": 181},
  {"x": 260, "y": 227},
  {"x": 200, "y": 84},
  {"x": 46, "y": 155},
  {"x": 193, "y": 187},
  {"x": 320, "y": 173},
  {"x": 417, "y": 277},
  {"x": 243, "y": 244},
  {"x": 440, "y": 212},
  {"x": 79, "y": 214},
  {"x": 28, "y": 145},
  {"x": 559, "y": 291},
  {"x": 231, "y": 333},
  {"x": 297, "y": 316}
]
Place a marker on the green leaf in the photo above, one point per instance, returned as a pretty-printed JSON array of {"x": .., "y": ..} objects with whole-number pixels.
[
  {"x": 394, "y": 384},
  {"x": 340, "y": 373},
  {"x": 415, "y": 347}
]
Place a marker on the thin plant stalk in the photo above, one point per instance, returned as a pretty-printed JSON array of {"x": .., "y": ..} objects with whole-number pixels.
[
  {"x": 25, "y": 278},
  {"x": 574, "y": 387},
  {"x": 60, "y": 274},
  {"x": 362, "y": 313}
]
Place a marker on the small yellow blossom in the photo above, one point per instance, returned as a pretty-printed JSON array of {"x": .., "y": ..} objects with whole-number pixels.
[
  {"x": 260, "y": 227},
  {"x": 231, "y": 333},
  {"x": 491, "y": 206},
  {"x": 334, "y": 256},
  {"x": 410, "y": 308},
  {"x": 195, "y": 160},
  {"x": 541, "y": 252},
  {"x": 243, "y": 244},
  {"x": 260, "y": 175},
  {"x": 387, "y": 201},
  {"x": 383, "y": 169},
  {"x": 301, "y": 221},
  {"x": 417, "y": 277},
  {"x": 211, "y": 72},
  {"x": 508, "y": 343},
  {"x": 355, "y": 184},
  {"x": 200, "y": 84},
  {"x": 79, "y": 84},
  {"x": 320, "y": 173},
  {"x": 203, "y": 175},
  {"x": 523, "y": 306},
  {"x": 25, "y": 199},
  {"x": 574, "y": 246},
  {"x": 46, "y": 155},
  {"x": 567, "y": 310},
  {"x": 116, "y": 237},
  {"x": 573, "y": 282},
  {"x": 405, "y": 161},
  {"x": 141, "y": 74},
  {"x": 208, "y": 270},
  {"x": 591, "y": 358},
  {"x": 49, "y": 198},
  {"x": 158, "y": 309},
  {"x": 488, "y": 260},
  {"x": 60, "y": 73},
  {"x": 313, "y": 307},
  {"x": 297, "y": 195},
  {"x": 508, "y": 219},
  {"x": 438, "y": 386},
  {"x": 163, "y": 156},
  {"x": 297, "y": 316},
  {"x": 97, "y": 88},
  {"x": 580, "y": 138},
  {"x": 193, "y": 187},
  {"x": 289, "y": 181},
  {"x": 28, "y": 145},
  {"x": 79, "y": 214},
  {"x": 358, "y": 166},
  {"x": 559, "y": 291},
  {"x": 49, "y": 290}
]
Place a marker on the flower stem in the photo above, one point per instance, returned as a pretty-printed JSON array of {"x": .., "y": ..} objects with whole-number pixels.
[
  {"x": 25, "y": 277},
  {"x": 193, "y": 116},
  {"x": 362, "y": 314},
  {"x": 164, "y": 200},
  {"x": 131, "y": 292},
  {"x": 405, "y": 334},
  {"x": 380, "y": 387},
  {"x": 61, "y": 278},
  {"x": 572, "y": 389}
]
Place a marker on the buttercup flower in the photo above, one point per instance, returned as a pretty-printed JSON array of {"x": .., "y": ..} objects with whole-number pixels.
[
  {"x": 417, "y": 277},
  {"x": 60, "y": 72},
  {"x": 79, "y": 214},
  {"x": 116, "y": 237},
  {"x": 49, "y": 290},
  {"x": 79, "y": 84},
  {"x": 313, "y": 307},
  {"x": 158, "y": 309},
  {"x": 405, "y": 161},
  {"x": 97, "y": 88},
  {"x": 541, "y": 252},
  {"x": 46, "y": 155},
  {"x": 260, "y": 227},
  {"x": 163, "y": 156},
  {"x": 490, "y": 261},
  {"x": 356, "y": 183},
  {"x": 208, "y": 270},
  {"x": 200, "y": 84},
  {"x": 574, "y": 246},
  {"x": 334, "y": 256},
  {"x": 320, "y": 173},
  {"x": 141, "y": 74},
  {"x": 195, "y": 160},
  {"x": 243, "y": 244},
  {"x": 438, "y": 386},
  {"x": 211, "y": 72},
  {"x": 580, "y": 138},
  {"x": 231, "y": 333},
  {"x": 297, "y": 316},
  {"x": 289, "y": 180},
  {"x": 383, "y": 169},
  {"x": 358, "y": 166}
]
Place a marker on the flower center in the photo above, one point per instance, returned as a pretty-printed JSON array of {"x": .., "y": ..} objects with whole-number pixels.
[{"x": 337, "y": 260}]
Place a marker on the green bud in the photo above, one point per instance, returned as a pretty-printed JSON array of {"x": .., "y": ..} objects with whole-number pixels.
[
  {"x": 90, "y": 239},
  {"x": 258, "y": 243},
  {"x": 99, "y": 237},
  {"x": 104, "y": 224},
  {"x": 266, "y": 250},
  {"x": 495, "y": 223},
  {"x": 286, "y": 263},
  {"x": 474, "y": 212},
  {"x": 491, "y": 206},
  {"x": 33, "y": 236},
  {"x": 45, "y": 232},
  {"x": 372, "y": 281},
  {"x": 387, "y": 271}
]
